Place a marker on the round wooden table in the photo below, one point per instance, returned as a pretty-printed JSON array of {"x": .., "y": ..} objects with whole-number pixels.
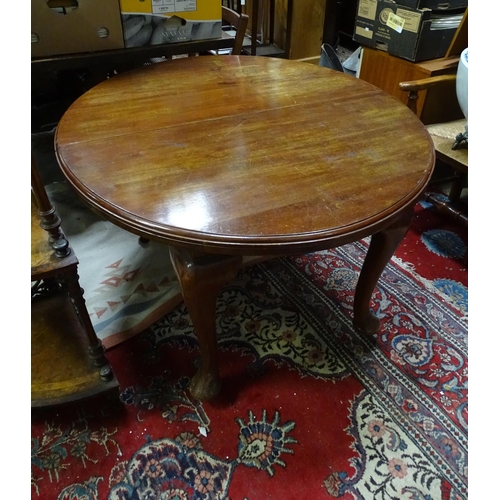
[{"x": 225, "y": 156}]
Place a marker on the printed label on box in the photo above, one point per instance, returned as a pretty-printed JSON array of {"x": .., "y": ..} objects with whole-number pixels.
[
  {"x": 395, "y": 22},
  {"x": 411, "y": 19},
  {"x": 164, "y": 6},
  {"x": 366, "y": 32},
  {"x": 367, "y": 9}
]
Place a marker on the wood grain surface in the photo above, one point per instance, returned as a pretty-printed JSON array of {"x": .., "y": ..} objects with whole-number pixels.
[{"x": 243, "y": 154}]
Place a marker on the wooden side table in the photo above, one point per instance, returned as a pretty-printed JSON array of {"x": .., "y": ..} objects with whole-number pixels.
[
  {"x": 233, "y": 156},
  {"x": 67, "y": 358}
]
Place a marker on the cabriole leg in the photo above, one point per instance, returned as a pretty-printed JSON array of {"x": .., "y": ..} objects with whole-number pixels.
[
  {"x": 382, "y": 247},
  {"x": 201, "y": 277}
]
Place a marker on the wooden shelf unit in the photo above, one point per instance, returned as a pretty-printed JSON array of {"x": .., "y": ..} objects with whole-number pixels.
[{"x": 67, "y": 358}]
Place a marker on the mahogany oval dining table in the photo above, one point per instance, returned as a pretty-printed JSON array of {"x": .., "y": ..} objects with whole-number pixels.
[{"x": 220, "y": 157}]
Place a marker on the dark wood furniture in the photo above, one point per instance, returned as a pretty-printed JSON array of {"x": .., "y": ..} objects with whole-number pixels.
[
  {"x": 225, "y": 156},
  {"x": 269, "y": 27},
  {"x": 239, "y": 21},
  {"x": 67, "y": 358},
  {"x": 136, "y": 55},
  {"x": 387, "y": 71},
  {"x": 284, "y": 28},
  {"x": 339, "y": 22}
]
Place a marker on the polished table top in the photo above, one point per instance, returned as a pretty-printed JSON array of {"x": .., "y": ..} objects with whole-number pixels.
[{"x": 243, "y": 154}]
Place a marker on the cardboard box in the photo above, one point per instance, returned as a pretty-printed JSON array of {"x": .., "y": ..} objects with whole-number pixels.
[
  {"x": 413, "y": 34},
  {"x": 438, "y": 5},
  {"x": 155, "y": 22},
  {"x": 72, "y": 26}
]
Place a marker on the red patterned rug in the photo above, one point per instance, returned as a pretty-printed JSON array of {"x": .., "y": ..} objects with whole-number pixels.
[{"x": 309, "y": 408}]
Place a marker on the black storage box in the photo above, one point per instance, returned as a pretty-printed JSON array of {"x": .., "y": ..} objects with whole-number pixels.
[
  {"x": 435, "y": 4},
  {"x": 413, "y": 34}
]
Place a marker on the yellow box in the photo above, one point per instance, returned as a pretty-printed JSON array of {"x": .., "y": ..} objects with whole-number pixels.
[{"x": 155, "y": 22}]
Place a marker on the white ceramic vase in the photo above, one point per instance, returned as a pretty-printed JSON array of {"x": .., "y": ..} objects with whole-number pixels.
[{"x": 463, "y": 82}]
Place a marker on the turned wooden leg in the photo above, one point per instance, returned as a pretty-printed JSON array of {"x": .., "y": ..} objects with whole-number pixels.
[
  {"x": 382, "y": 247},
  {"x": 201, "y": 277},
  {"x": 95, "y": 349}
]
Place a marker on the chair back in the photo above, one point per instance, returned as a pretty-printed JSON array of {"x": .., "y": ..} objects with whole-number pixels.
[{"x": 239, "y": 22}]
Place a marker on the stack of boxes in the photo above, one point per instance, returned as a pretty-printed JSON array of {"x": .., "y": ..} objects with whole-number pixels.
[
  {"x": 76, "y": 26},
  {"x": 416, "y": 30}
]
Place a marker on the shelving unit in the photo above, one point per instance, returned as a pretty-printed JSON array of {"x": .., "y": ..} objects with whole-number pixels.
[{"x": 67, "y": 358}]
